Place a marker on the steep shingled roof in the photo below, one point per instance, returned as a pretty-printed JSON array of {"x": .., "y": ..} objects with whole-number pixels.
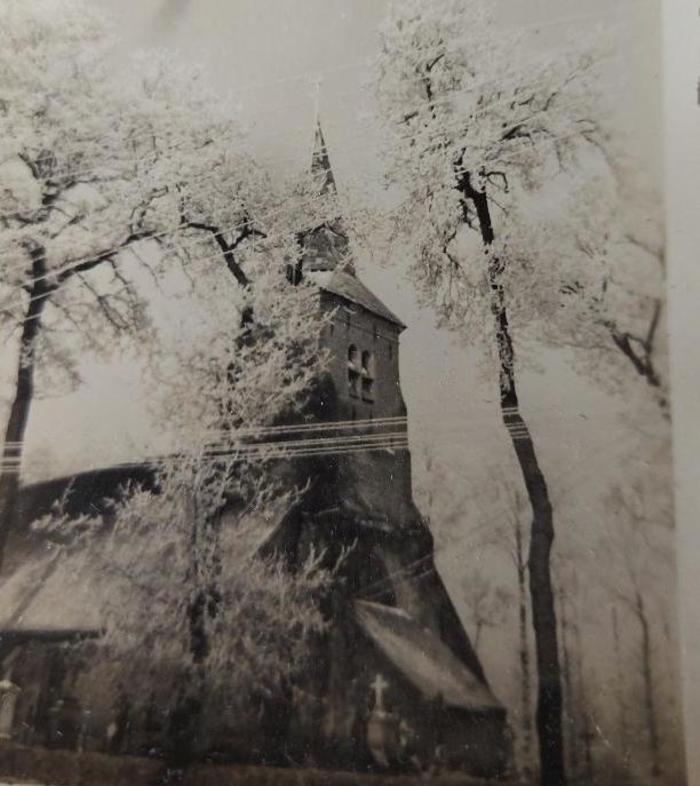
[
  {"x": 53, "y": 590},
  {"x": 350, "y": 288},
  {"x": 47, "y": 593},
  {"x": 426, "y": 661}
]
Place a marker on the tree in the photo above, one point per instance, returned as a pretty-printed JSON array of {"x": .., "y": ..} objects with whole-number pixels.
[
  {"x": 619, "y": 675},
  {"x": 577, "y": 715},
  {"x": 476, "y": 124},
  {"x": 66, "y": 203},
  {"x": 151, "y": 165},
  {"x": 487, "y": 604},
  {"x": 96, "y": 169},
  {"x": 219, "y": 632},
  {"x": 508, "y": 536},
  {"x": 226, "y": 627},
  {"x": 504, "y": 532},
  {"x": 604, "y": 255},
  {"x": 456, "y": 140},
  {"x": 637, "y": 540},
  {"x": 491, "y": 510}
]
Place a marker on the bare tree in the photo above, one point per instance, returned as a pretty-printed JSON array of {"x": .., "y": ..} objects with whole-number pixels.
[
  {"x": 620, "y": 679},
  {"x": 508, "y": 536},
  {"x": 570, "y": 720},
  {"x": 487, "y": 604},
  {"x": 637, "y": 543},
  {"x": 491, "y": 510},
  {"x": 578, "y": 712}
]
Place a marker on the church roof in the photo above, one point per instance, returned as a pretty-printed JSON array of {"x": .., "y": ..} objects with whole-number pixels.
[
  {"x": 47, "y": 594},
  {"x": 46, "y": 589},
  {"x": 350, "y": 288},
  {"x": 426, "y": 661},
  {"x": 96, "y": 488}
]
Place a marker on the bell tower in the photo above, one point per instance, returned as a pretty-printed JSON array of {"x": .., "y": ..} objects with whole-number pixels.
[
  {"x": 364, "y": 335},
  {"x": 390, "y": 615}
]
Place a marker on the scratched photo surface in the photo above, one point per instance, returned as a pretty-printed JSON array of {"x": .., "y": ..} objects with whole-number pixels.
[{"x": 335, "y": 395}]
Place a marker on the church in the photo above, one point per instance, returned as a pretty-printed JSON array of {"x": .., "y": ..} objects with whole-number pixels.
[{"x": 397, "y": 684}]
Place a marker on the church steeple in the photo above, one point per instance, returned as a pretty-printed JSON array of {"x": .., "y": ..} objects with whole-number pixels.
[
  {"x": 326, "y": 256},
  {"x": 321, "y": 171},
  {"x": 325, "y": 247}
]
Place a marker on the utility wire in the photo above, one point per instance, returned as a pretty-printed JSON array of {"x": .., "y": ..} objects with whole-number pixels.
[
  {"x": 214, "y": 453},
  {"x": 371, "y": 592}
]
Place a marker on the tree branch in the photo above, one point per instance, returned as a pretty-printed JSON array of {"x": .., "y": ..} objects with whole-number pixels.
[
  {"x": 226, "y": 249},
  {"x": 104, "y": 256}
]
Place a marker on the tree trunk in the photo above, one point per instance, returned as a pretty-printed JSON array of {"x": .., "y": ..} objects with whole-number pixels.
[
  {"x": 477, "y": 635},
  {"x": 13, "y": 447},
  {"x": 585, "y": 711},
  {"x": 185, "y": 719},
  {"x": 621, "y": 701},
  {"x": 588, "y": 737},
  {"x": 649, "y": 703},
  {"x": 524, "y": 655},
  {"x": 569, "y": 699},
  {"x": 549, "y": 698}
]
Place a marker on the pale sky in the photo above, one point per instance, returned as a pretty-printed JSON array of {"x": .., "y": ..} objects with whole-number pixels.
[{"x": 267, "y": 56}]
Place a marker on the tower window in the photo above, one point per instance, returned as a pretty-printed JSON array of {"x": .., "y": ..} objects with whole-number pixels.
[
  {"x": 354, "y": 371},
  {"x": 367, "y": 372}
]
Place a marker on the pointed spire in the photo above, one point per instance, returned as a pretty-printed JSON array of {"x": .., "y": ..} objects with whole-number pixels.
[
  {"x": 326, "y": 246},
  {"x": 321, "y": 170}
]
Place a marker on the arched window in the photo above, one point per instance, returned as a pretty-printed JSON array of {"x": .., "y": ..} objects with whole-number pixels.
[
  {"x": 367, "y": 371},
  {"x": 354, "y": 374}
]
